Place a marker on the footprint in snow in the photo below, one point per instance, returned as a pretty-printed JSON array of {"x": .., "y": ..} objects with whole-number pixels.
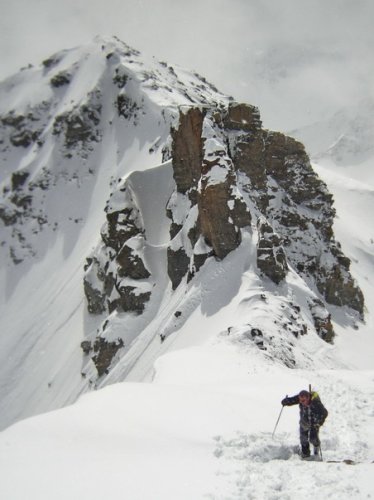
[{"x": 254, "y": 447}]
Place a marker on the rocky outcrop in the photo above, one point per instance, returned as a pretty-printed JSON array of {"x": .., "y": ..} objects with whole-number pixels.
[
  {"x": 116, "y": 275},
  {"x": 338, "y": 287},
  {"x": 271, "y": 259},
  {"x": 80, "y": 126},
  {"x": 187, "y": 152},
  {"x": 103, "y": 353},
  {"x": 230, "y": 176},
  {"x": 230, "y": 173},
  {"x": 178, "y": 265},
  {"x": 322, "y": 320},
  {"x": 206, "y": 183}
]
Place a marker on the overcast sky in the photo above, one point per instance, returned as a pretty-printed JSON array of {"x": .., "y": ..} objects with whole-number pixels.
[{"x": 295, "y": 59}]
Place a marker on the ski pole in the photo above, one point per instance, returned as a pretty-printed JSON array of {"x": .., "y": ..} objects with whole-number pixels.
[
  {"x": 276, "y": 425},
  {"x": 320, "y": 451}
]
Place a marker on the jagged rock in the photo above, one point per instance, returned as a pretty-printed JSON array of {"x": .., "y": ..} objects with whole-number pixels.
[
  {"x": 51, "y": 61},
  {"x": 258, "y": 337},
  {"x": 126, "y": 107},
  {"x": 19, "y": 178},
  {"x": 21, "y": 200},
  {"x": 221, "y": 210},
  {"x": 104, "y": 353},
  {"x": 198, "y": 261},
  {"x": 239, "y": 213},
  {"x": 187, "y": 150},
  {"x": 216, "y": 227},
  {"x": 120, "y": 78},
  {"x": 339, "y": 288},
  {"x": 80, "y": 125},
  {"x": 61, "y": 79},
  {"x": 203, "y": 170},
  {"x": 271, "y": 259},
  {"x": 13, "y": 120},
  {"x": 131, "y": 299},
  {"x": 8, "y": 216},
  {"x": 115, "y": 275},
  {"x": 120, "y": 227},
  {"x": 322, "y": 320},
  {"x": 23, "y": 138},
  {"x": 96, "y": 300},
  {"x": 226, "y": 163},
  {"x": 178, "y": 264},
  {"x": 242, "y": 117},
  {"x": 86, "y": 346},
  {"x": 22, "y": 131},
  {"x": 130, "y": 264}
]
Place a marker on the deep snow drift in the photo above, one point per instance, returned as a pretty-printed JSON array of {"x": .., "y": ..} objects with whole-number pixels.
[{"x": 202, "y": 429}]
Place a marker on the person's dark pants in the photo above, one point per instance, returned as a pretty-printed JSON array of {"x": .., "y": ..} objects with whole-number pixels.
[{"x": 309, "y": 436}]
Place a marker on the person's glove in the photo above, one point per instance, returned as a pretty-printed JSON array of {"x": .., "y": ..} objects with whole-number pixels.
[{"x": 284, "y": 402}]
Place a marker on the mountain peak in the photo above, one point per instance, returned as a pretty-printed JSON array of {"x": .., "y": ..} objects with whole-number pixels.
[{"x": 142, "y": 184}]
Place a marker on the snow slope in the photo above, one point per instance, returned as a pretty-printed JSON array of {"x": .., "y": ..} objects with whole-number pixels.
[
  {"x": 202, "y": 429},
  {"x": 354, "y": 228}
]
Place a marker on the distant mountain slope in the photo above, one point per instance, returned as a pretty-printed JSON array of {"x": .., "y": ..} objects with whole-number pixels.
[{"x": 345, "y": 139}]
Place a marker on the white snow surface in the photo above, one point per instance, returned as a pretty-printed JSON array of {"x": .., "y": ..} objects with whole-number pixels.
[
  {"x": 202, "y": 429},
  {"x": 191, "y": 417}
]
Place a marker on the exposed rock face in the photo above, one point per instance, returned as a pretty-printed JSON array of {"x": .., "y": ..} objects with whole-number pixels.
[
  {"x": 178, "y": 265},
  {"x": 322, "y": 320},
  {"x": 116, "y": 274},
  {"x": 187, "y": 151},
  {"x": 206, "y": 182},
  {"x": 80, "y": 126},
  {"x": 230, "y": 176},
  {"x": 271, "y": 259},
  {"x": 229, "y": 173},
  {"x": 104, "y": 352}
]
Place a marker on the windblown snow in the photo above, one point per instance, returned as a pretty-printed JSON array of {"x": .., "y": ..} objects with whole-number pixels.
[{"x": 192, "y": 416}]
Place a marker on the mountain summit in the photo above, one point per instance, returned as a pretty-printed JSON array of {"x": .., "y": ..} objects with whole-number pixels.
[{"x": 134, "y": 193}]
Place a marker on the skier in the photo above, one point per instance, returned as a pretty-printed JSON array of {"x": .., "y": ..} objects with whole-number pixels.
[{"x": 312, "y": 416}]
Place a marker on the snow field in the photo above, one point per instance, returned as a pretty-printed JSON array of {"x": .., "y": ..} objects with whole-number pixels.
[{"x": 184, "y": 437}]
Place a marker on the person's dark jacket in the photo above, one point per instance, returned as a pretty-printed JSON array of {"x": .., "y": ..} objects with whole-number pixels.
[{"x": 312, "y": 415}]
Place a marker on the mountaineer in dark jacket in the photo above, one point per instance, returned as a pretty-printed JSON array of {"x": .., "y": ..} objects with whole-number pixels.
[{"x": 312, "y": 416}]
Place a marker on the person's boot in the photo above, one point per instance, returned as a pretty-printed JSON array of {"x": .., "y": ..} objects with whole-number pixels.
[
  {"x": 316, "y": 451},
  {"x": 305, "y": 451}
]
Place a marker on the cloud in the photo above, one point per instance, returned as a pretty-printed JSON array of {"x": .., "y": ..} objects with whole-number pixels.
[{"x": 285, "y": 56}]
